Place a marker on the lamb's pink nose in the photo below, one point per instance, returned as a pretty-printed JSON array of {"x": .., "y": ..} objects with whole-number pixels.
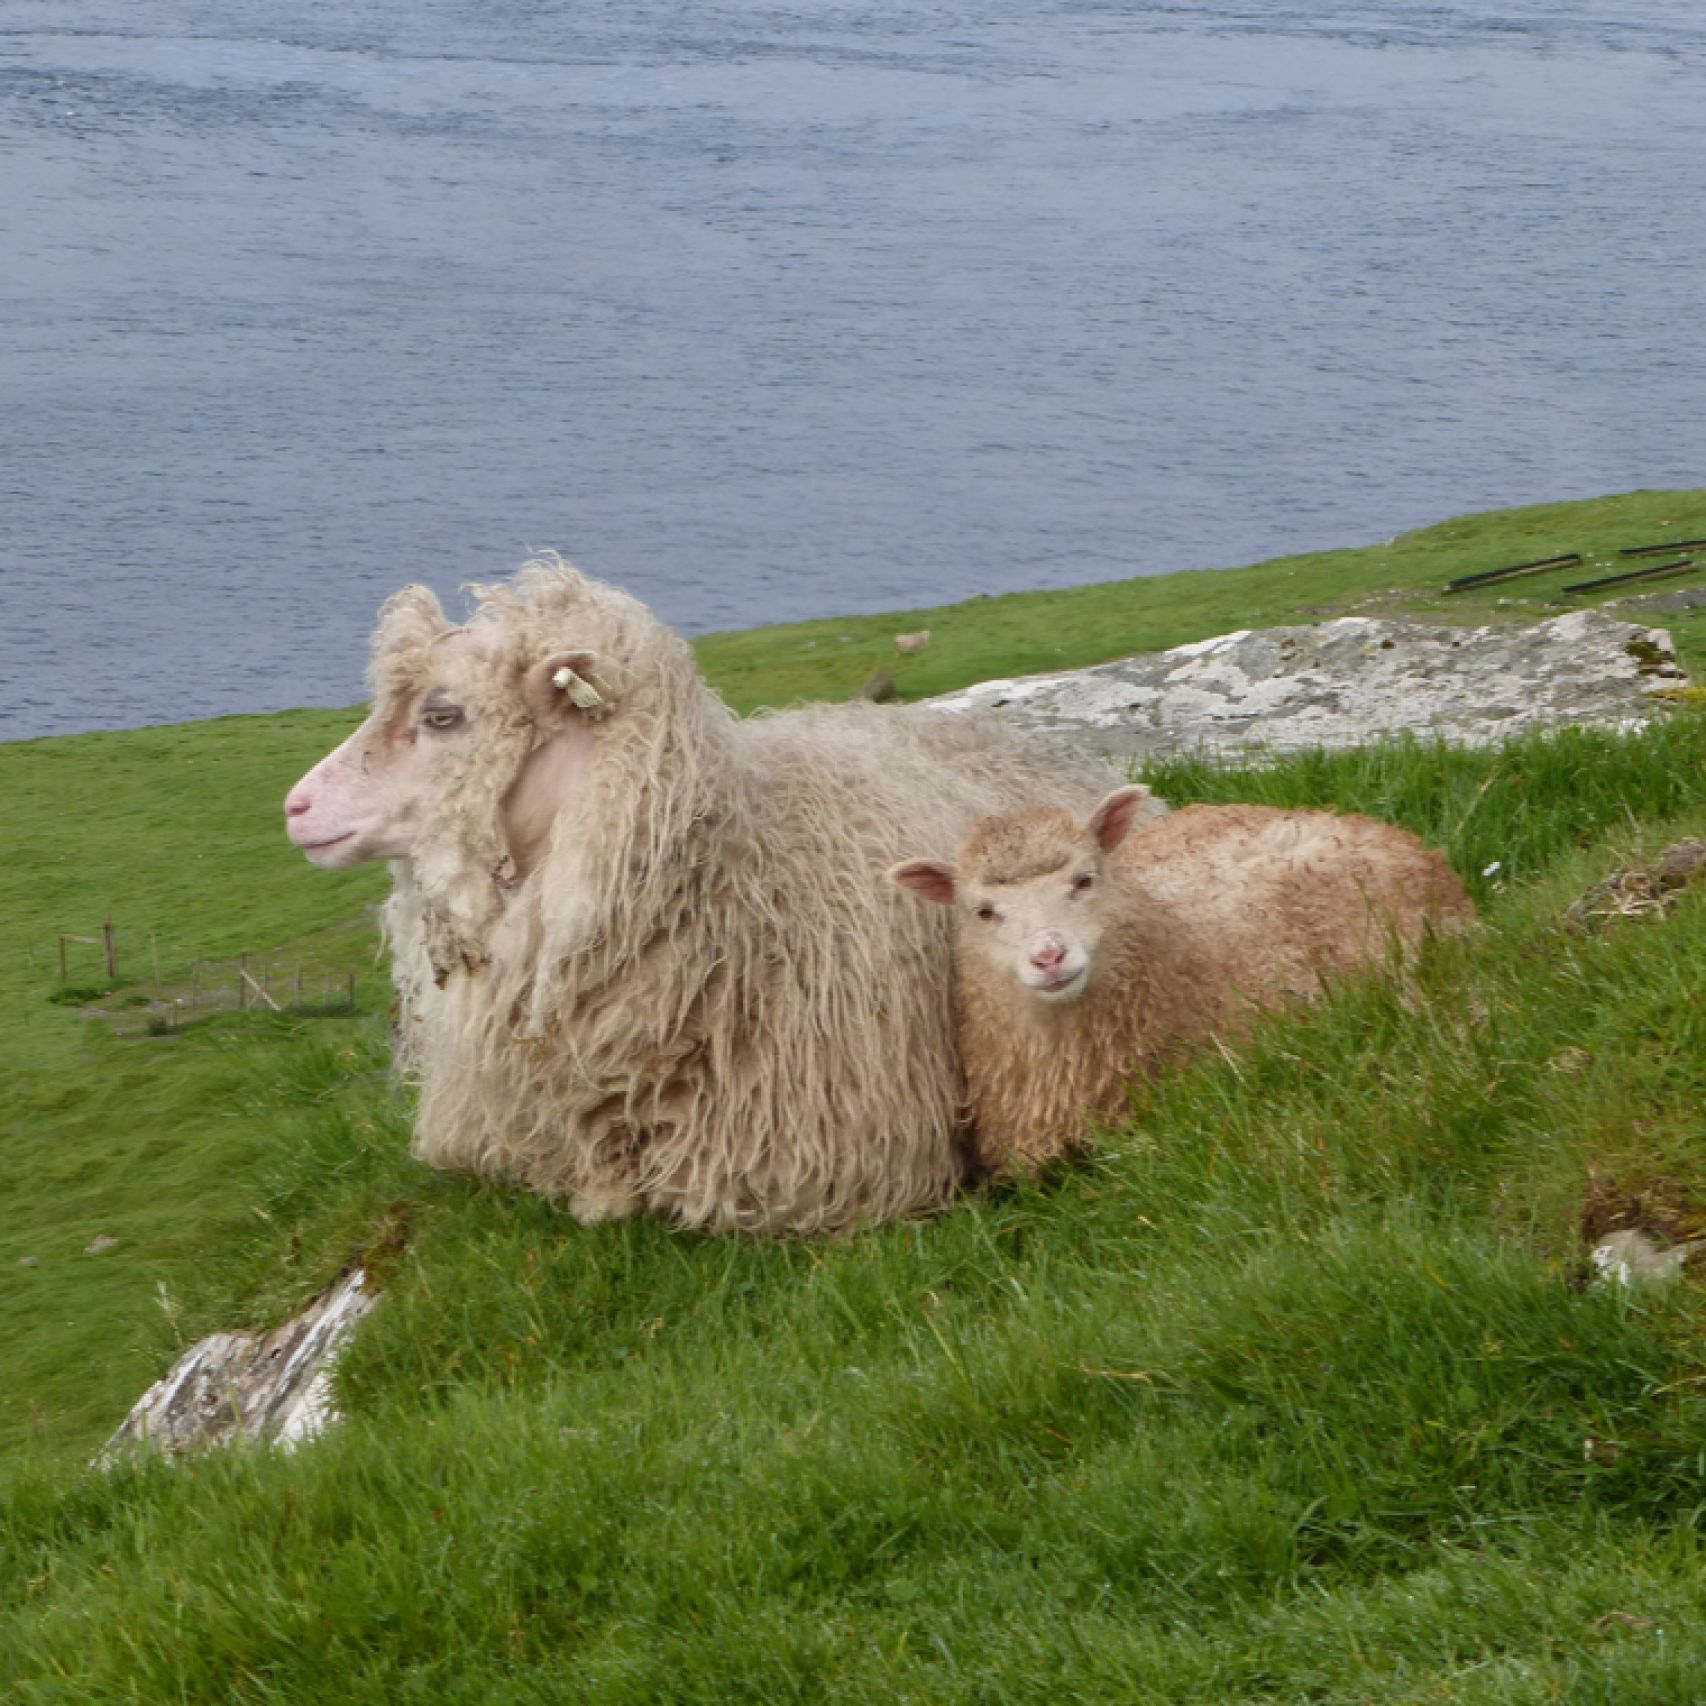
[
  {"x": 296, "y": 804},
  {"x": 1047, "y": 958}
]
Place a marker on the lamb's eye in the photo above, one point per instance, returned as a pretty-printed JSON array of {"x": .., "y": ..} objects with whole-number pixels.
[
  {"x": 1080, "y": 884},
  {"x": 986, "y": 913},
  {"x": 441, "y": 717}
]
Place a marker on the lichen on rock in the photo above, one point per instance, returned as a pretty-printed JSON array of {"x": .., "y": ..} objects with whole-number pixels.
[{"x": 1347, "y": 682}]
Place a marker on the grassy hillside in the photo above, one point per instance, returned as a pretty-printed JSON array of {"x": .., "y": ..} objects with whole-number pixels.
[
  {"x": 1024, "y": 633},
  {"x": 1290, "y": 1394}
]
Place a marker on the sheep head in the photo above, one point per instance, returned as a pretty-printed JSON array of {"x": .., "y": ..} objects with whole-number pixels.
[
  {"x": 476, "y": 737},
  {"x": 1030, "y": 893}
]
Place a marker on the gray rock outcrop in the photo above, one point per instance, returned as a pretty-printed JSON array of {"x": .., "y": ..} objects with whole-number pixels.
[
  {"x": 1344, "y": 683},
  {"x": 1631, "y": 1258},
  {"x": 230, "y": 1386}
]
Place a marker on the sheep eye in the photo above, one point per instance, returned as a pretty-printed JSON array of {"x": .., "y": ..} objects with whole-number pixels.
[
  {"x": 441, "y": 717},
  {"x": 1080, "y": 884},
  {"x": 986, "y": 913}
]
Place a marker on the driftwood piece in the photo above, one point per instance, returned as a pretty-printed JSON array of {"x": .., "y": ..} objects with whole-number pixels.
[{"x": 276, "y": 1388}]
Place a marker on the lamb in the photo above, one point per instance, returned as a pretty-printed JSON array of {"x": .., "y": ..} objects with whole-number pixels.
[
  {"x": 1086, "y": 955},
  {"x": 644, "y": 956}
]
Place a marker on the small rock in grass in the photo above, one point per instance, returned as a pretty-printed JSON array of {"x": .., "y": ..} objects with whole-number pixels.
[
  {"x": 1621, "y": 1620},
  {"x": 879, "y": 688},
  {"x": 100, "y": 1246},
  {"x": 1680, "y": 864},
  {"x": 1632, "y": 1258},
  {"x": 26, "y": 1261},
  {"x": 277, "y": 1387}
]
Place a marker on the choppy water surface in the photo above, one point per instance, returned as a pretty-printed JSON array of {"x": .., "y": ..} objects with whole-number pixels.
[{"x": 774, "y": 311}]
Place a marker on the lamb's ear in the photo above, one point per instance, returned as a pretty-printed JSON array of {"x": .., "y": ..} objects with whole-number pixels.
[
  {"x": 929, "y": 877},
  {"x": 563, "y": 682},
  {"x": 1110, "y": 823}
]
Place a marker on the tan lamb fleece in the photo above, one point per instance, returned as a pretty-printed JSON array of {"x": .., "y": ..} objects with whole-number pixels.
[
  {"x": 644, "y": 954},
  {"x": 1086, "y": 956}
]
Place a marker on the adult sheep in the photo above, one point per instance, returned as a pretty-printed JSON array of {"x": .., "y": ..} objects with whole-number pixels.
[
  {"x": 1087, "y": 955},
  {"x": 644, "y": 954}
]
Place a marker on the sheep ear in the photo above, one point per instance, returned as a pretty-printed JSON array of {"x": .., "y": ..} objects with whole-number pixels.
[
  {"x": 410, "y": 617},
  {"x": 929, "y": 877},
  {"x": 1111, "y": 822},
  {"x": 564, "y": 682}
]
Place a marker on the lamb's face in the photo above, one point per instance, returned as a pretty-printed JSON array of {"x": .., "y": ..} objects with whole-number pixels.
[
  {"x": 1042, "y": 931},
  {"x": 1030, "y": 894},
  {"x": 456, "y": 709}
]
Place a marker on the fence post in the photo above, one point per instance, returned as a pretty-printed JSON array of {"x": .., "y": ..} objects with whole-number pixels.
[
  {"x": 242, "y": 982},
  {"x": 112, "y": 953}
]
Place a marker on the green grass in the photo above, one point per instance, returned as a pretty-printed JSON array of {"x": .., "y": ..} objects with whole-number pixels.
[
  {"x": 175, "y": 833},
  {"x": 1029, "y": 632},
  {"x": 1291, "y": 1393}
]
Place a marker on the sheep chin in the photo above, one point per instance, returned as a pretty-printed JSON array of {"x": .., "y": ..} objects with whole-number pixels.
[
  {"x": 1059, "y": 994},
  {"x": 337, "y": 853}
]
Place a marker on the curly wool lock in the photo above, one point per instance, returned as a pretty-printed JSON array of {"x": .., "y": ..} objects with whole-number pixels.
[{"x": 644, "y": 953}]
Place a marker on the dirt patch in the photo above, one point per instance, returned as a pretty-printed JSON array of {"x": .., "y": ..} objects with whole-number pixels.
[
  {"x": 1663, "y": 1207},
  {"x": 1641, "y": 891},
  {"x": 388, "y": 1238}
]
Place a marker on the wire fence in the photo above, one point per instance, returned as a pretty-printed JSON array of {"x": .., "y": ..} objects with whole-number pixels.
[{"x": 119, "y": 974}]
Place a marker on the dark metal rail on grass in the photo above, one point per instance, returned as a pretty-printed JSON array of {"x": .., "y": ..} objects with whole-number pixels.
[
  {"x": 1685, "y": 566},
  {"x": 1655, "y": 550},
  {"x": 1487, "y": 576}
]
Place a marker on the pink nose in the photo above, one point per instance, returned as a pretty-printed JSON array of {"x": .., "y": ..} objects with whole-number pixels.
[
  {"x": 296, "y": 805},
  {"x": 1046, "y": 959}
]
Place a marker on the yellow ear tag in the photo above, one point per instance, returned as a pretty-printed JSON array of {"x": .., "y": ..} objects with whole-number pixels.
[{"x": 582, "y": 694}]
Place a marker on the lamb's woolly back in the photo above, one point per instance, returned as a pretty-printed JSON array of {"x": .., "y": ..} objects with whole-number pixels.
[
  {"x": 1204, "y": 918},
  {"x": 701, "y": 999}
]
